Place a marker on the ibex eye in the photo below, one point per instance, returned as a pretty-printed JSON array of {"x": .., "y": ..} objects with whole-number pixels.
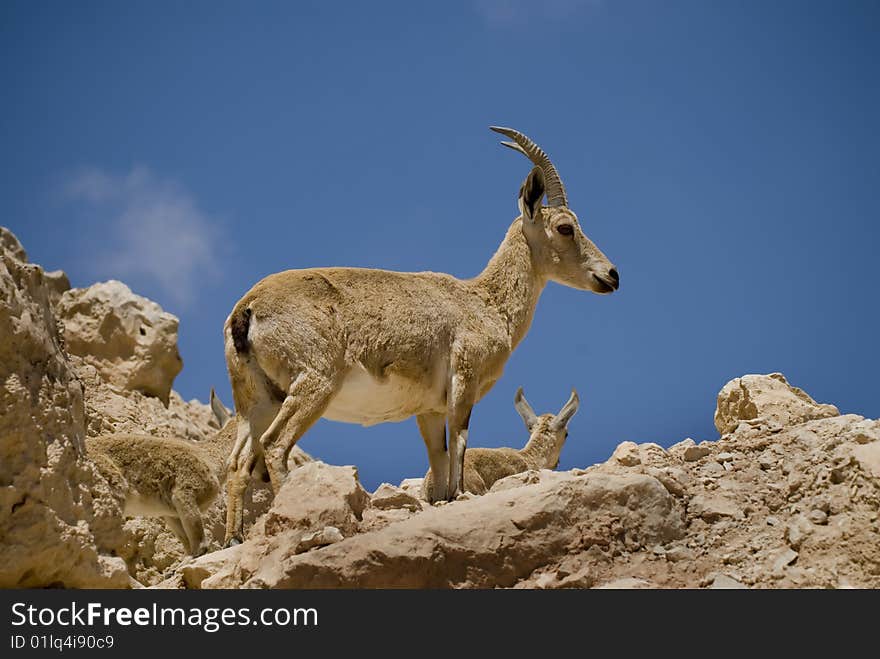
[{"x": 565, "y": 229}]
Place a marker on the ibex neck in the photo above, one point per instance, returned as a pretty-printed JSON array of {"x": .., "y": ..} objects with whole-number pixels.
[
  {"x": 511, "y": 284},
  {"x": 217, "y": 447},
  {"x": 541, "y": 452}
]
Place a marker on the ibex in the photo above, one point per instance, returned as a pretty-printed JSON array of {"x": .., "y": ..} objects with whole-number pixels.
[
  {"x": 370, "y": 346},
  {"x": 547, "y": 434},
  {"x": 165, "y": 477}
]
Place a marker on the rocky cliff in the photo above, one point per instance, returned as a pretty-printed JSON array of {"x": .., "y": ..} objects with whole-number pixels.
[{"x": 786, "y": 497}]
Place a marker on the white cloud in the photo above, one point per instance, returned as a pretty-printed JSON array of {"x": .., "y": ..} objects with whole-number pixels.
[
  {"x": 151, "y": 229},
  {"x": 509, "y": 13}
]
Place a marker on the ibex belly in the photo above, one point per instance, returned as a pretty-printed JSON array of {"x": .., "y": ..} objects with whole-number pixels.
[
  {"x": 368, "y": 400},
  {"x": 137, "y": 505}
]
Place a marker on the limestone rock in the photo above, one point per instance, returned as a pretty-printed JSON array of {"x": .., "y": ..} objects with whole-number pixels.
[
  {"x": 713, "y": 508},
  {"x": 694, "y": 453},
  {"x": 130, "y": 340},
  {"x": 388, "y": 496},
  {"x": 412, "y": 486},
  {"x": 784, "y": 558},
  {"x": 526, "y": 478},
  {"x": 679, "y": 553},
  {"x": 868, "y": 457},
  {"x": 326, "y": 536},
  {"x": 317, "y": 495},
  {"x": 768, "y": 398},
  {"x": 724, "y": 582},
  {"x": 626, "y": 583},
  {"x": 492, "y": 540},
  {"x": 627, "y": 454},
  {"x": 10, "y": 246},
  {"x": 207, "y": 565},
  {"x": 57, "y": 515}
]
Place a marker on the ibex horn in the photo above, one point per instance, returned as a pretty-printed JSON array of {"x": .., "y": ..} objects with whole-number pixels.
[{"x": 555, "y": 189}]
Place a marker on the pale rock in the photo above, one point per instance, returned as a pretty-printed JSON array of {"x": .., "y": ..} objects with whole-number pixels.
[
  {"x": 374, "y": 518},
  {"x": 626, "y": 583},
  {"x": 412, "y": 486},
  {"x": 668, "y": 479},
  {"x": 725, "y": 582},
  {"x": 784, "y": 558},
  {"x": 864, "y": 431},
  {"x": 712, "y": 508},
  {"x": 817, "y": 516},
  {"x": 679, "y": 448},
  {"x": 495, "y": 540},
  {"x": 389, "y": 496},
  {"x": 627, "y": 454},
  {"x": 198, "y": 569},
  {"x": 766, "y": 398},
  {"x": 10, "y": 246},
  {"x": 326, "y": 536},
  {"x": 694, "y": 453},
  {"x": 59, "y": 520},
  {"x": 797, "y": 531},
  {"x": 582, "y": 578},
  {"x": 130, "y": 340},
  {"x": 768, "y": 460},
  {"x": 679, "y": 553},
  {"x": 531, "y": 477},
  {"x": 57, "y": 284},
  {"x": 868, "y": 457},
  {"x": 317, "y": 495},
  {"x": 724, "y": 457}
]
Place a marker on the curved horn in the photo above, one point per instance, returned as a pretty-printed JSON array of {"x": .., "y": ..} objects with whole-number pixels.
[
  {"x": 561, "y": 420},
  {"x": 525, "y": 410},
  {"x": 555, "y": 190}
]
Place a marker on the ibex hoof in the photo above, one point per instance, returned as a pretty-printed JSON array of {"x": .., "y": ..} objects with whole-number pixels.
[{"x": 232, "y": 542}]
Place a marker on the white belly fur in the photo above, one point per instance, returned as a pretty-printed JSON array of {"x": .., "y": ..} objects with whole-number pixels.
[
  {"x": 366, "y": 400},
  {"x": 138, "y": 506}
]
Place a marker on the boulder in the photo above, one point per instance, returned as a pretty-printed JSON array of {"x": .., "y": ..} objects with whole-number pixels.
[
  {"x": 492, "y": 540},
  {"x": 627, "y": 454},
  {"x": 317, "y": 495},
  {"x": 388, "y": 496},
  {"x": 128, "y": 339},
  {"x": 766, "y": 398}
]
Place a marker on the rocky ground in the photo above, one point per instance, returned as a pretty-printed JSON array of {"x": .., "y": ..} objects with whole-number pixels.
[{"x": 788, "y": 497}]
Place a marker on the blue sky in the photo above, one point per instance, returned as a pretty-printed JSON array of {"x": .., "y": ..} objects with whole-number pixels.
[{"x": 723, "y": 154}]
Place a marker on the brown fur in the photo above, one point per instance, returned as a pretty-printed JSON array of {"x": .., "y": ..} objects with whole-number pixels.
[
  {"x": 162, "y": 476},
  {"x": 436, "y": 342}
]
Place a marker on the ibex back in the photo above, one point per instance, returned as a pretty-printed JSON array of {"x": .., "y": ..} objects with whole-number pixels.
[{"x": 370, "y": 346}]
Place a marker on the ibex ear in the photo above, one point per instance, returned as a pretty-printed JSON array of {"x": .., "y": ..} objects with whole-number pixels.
[
  {"x": 561, "y": 420},
  {"x": 530, "y": 194},
  {"x": 525, "y": 410},
  {"x": 219, "y": 409}
]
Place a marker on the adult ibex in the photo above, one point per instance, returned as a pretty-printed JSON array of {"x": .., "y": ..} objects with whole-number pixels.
[{"x": 369, "y": 346}]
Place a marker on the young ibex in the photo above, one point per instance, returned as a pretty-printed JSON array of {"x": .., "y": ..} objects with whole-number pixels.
[
  {"x": 165, "y": 477},
  {"x": 547, "y": 434},
  {"x": 369, "y": 346}
]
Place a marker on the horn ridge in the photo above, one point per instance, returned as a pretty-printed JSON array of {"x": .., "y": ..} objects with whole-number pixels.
[{"x": 555, "y": 189}]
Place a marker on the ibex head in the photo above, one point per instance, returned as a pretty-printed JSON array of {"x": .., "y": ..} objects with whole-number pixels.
[
  {"x": 562, "y": 252},
  {"x": 548, "y": 432}
]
